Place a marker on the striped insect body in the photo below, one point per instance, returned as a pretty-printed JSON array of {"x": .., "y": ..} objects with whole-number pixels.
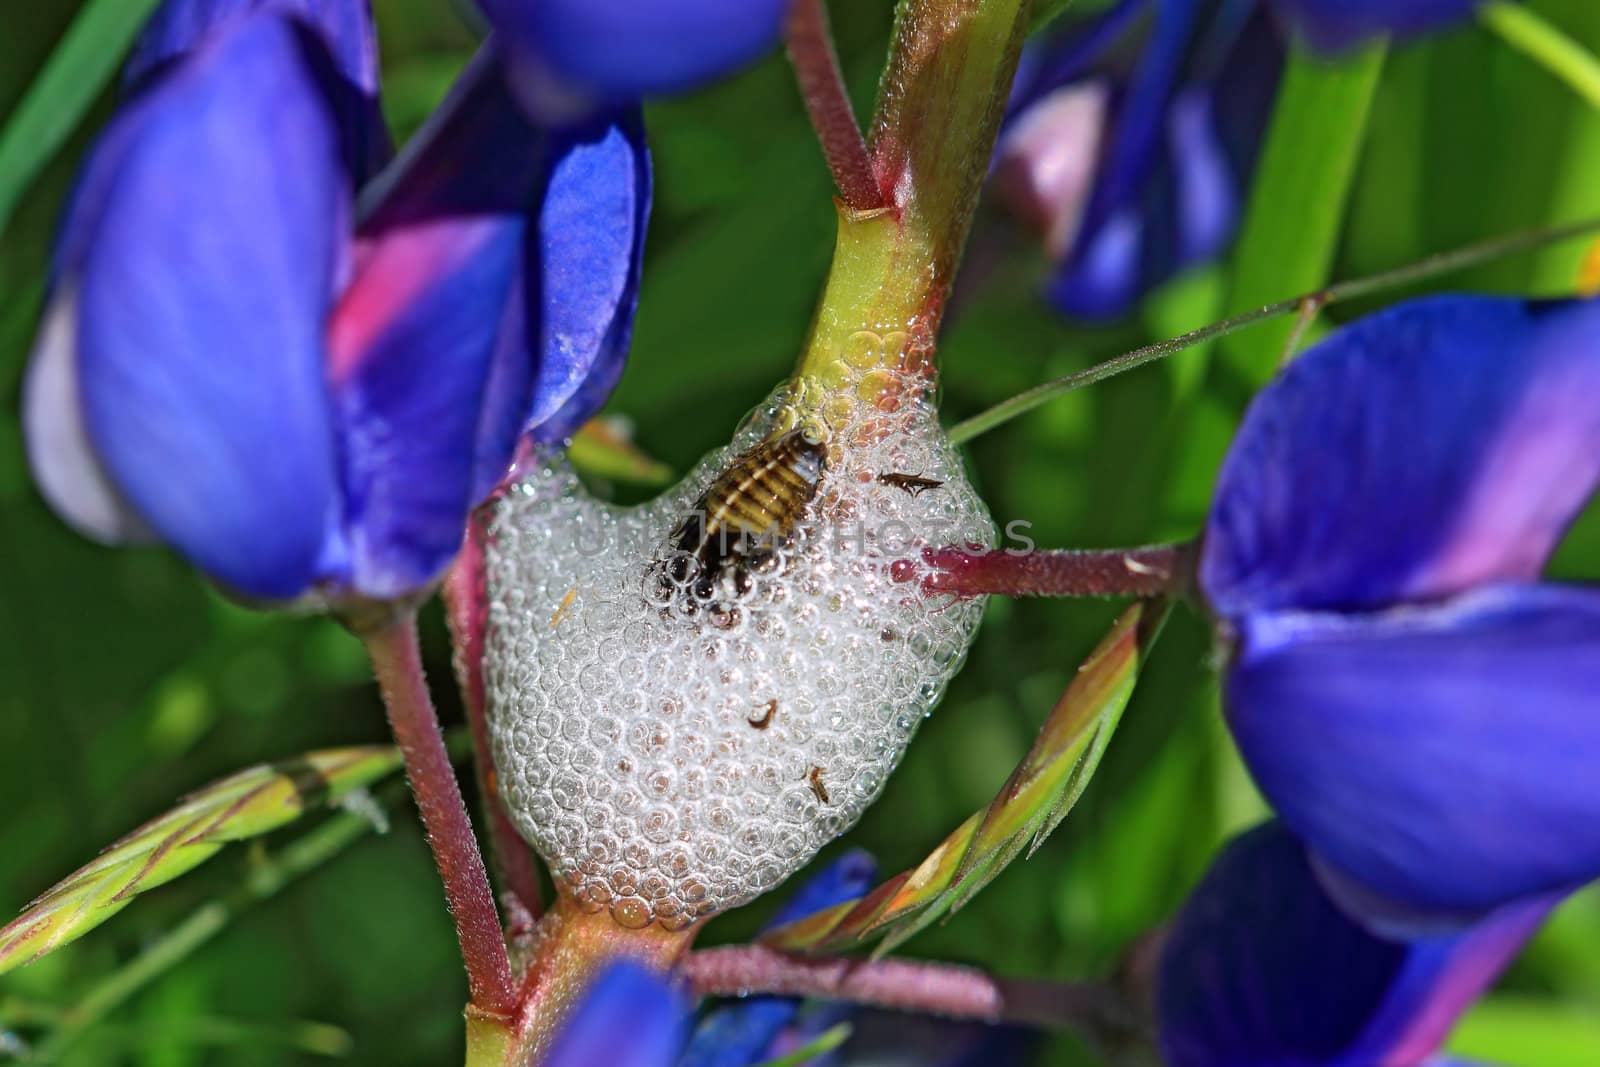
[{"x": 740, "y": 524}]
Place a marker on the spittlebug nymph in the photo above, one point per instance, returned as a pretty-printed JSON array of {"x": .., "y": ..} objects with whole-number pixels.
[
  {"x": 914, "y": 484},
  {"x": 737, "y": 526}
]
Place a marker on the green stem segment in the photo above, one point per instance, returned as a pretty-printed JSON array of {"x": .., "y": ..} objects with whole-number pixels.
[
  {"x": 397, "y": 661},
  {"x": 939, "y": 109},
  {"x": 1526, "y": 30}
]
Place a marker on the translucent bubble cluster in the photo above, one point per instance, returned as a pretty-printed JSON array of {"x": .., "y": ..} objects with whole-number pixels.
[{"x": 671, "y": 756}]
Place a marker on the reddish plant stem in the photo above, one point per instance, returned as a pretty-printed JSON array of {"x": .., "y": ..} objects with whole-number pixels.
[
  {"x": 1153, "y": 570},
  {"x": 816, "y": 67},
  {"x": 397, "y": 661},
  {"x": 467, "y": 606},
  {"x": 947, "y": 990}
]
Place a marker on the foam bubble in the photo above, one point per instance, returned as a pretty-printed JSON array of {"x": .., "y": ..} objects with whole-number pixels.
[{"x": 671, "y": 758}]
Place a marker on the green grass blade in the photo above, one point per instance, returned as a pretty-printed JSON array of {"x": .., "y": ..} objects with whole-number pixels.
[
  {"x": 249, "y": 804},
  {"x": 1031, "y": 804},
  {"x": 85, "y": 60},
  {"x": 1298, "y": 199}
]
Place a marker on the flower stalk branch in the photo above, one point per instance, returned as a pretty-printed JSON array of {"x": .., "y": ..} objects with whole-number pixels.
[
  {"x": 947, "y": 990},
  {"x": 939, "y": 109},
  {"x": 397, "y": 662},
  {"x": 816, "y": 67},
  {"x": 1153, "y": 570},
  {"x": 467, "y": 611}
]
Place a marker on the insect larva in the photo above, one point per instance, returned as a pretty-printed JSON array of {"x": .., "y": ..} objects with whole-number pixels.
[
  {"x": 737, "y": 525},
  {"x": 914, "y": 484}
]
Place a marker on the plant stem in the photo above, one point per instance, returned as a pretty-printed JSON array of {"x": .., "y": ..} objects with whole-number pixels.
[
  {"x": 1153, "y": 570},
  {"x": 1422, "y": 270},
  {"x": 398, "y": 663},
  {"x": 264, "y": 879},
  {"x": 946, "y": 990},
  {"x": 571, "y": 945},
  {"x": 816, "y": 67},
  {"x": 466, "y": 601},
  {"x": 1529, "y": 33},
  {"x": 939, "y": 108}
]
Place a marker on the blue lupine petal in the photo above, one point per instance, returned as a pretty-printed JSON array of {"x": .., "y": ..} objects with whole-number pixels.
[
  {"x": 1133, "y": 150},
  {"x": 1428, "y": 448},
  {"x": 623, "y": 49},
  {"x": 428, "y": 353},
  {"x": 345, "y": 28},
  {"x": 69, "y": 474},
  {"x": 741, "y": 1033},
  {"x": 1179, "y": 141},
  {"x": 1261, "y": 969},
  {"x": 629, "y": 1017},
  {"x": 1441, "y": 757},
  {"x": 206, "y": 291},
  {"x": 1335, "y": 25},
  {"x": 592, "y": 223}
]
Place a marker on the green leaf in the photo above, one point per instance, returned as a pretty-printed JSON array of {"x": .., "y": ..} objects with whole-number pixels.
[
  {"x": 1534, "y": 36},
  {"x": 821, "y": 1045},
  {"x": 604, "y": 448},
  {"x": 249, "y": 804},
  {"x": 1032, "y": 803},
  {"x": 1297, "y": 202},
  {"x": 1515, "y": 1029},
  {"x": 82, "y": 64}
]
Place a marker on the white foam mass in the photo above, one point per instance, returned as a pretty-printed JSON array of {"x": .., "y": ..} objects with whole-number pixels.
[{"x": 669, "y": 763}]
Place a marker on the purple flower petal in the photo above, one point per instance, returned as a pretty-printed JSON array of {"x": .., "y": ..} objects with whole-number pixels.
[
  {"x": 624, "y": 49},
  {"x": 1335, "y": 25},
  {"x": 428, "y": 350},
  {"x": 1179, "y": 140},
  {"x": 743, "y": 1032},
  {"x": 1261, "y": 969},
  {"x": 592, "y": 224},
  {"x": 1428, "y": 448},
  {"x": 202, "y": 289},
  {"x": 629, "y": 1017},
  {"x": 70, "y": 476},
  {"x": 345, "y": 29},
  {"x": 1440, "y": 758}
]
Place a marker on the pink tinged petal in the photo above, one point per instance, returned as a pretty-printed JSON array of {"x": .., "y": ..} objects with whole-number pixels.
[
  {"x": 429, "y": 386},
  {"x": 1441, "y": 759},
  {"x": 1439, "y": 444},
  {"x": 69, "y": 473},
  {"x": 1047, "y": 159},
  {"x": 202, "y": 286}
]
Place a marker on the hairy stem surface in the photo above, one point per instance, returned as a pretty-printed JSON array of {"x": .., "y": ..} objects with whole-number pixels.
[{"x": 397, "y": 661}]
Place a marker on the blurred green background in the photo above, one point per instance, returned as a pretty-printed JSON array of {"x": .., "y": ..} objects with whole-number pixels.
[{"x": 124, "y": 682}]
